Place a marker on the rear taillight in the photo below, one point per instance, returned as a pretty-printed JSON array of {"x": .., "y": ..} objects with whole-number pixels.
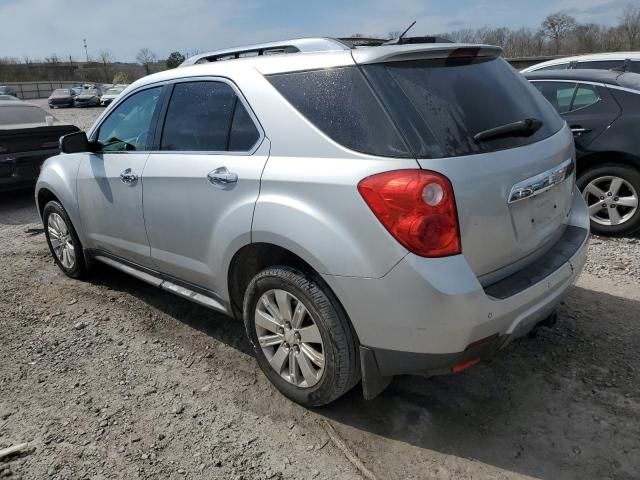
[
  {"x": 3, "y": 148},
  {"x": 417, "y": 207}
]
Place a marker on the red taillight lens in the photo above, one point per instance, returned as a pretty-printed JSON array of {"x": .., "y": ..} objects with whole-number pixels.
[{"x": 417, "y": 207}]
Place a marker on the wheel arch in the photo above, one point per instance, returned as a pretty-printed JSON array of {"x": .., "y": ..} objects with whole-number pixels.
[
  {"x": 594, "y": 159},
  {"x": 249, "y": 260}
]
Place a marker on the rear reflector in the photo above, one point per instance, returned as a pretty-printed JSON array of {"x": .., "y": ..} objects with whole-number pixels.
[
  {"x": 464, "y": 365},
  {"x": 417, "y": 207}
]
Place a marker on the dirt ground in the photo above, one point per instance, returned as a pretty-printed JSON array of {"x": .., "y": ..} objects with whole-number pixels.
[{"x": 112, "y": 378}]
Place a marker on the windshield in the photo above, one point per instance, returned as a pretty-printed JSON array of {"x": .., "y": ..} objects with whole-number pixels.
[
  {"x": 114, "y": 91},
  {"x": 61, "y": 91},
  {"x": 91, "y": 91},
  {"x": 13, "y": 115},
  {"x": 441, "y": 104}
]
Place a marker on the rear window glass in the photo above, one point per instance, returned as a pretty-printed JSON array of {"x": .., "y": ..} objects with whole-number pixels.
[
  {"x": 339, "y": 102},
  {"x": 12, "y": 115},
  {"x": 558, "y": 94},
  {"x": 440, "y": 104},
  {"x": 559, "y": 66}
]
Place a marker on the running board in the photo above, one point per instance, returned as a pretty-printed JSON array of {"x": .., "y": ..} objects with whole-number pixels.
[{"x": 164, "y": 284}]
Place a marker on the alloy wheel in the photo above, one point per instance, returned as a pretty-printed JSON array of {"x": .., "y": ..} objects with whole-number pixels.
[
  {"x": 61, "y": 241},
  {"x": 289, "y": 338},
  {"x": 611, "y": 200}
]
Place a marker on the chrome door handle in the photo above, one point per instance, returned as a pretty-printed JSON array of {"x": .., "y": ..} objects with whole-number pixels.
[
  {"x": 579, "y": 130},
  {"x": 128, "y": 178},
  {"x": 221, "y": 177}
]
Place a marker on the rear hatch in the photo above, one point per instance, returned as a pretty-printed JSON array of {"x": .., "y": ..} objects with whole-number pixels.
[{"x": 440, "y": 98}]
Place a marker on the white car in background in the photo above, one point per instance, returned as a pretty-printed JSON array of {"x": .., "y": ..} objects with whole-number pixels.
[
  {"x": 629, "y": 61},
  {"x": 110, "y": 95}
]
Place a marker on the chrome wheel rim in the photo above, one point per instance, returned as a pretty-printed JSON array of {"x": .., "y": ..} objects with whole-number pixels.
[
  {"x": 611, "y": 200},
  {"x": 289, "y": 338},
  {"x": 60, "y": 239}
]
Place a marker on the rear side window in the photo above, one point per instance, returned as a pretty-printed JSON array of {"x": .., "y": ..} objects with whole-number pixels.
[
  {"x": 558, "y": 94},
  {"x": 586, "y": 95},
  {"x": 440, "y": 104},
  {"x": 339, "y": 102},
  {"x": 207, "y": 116}
]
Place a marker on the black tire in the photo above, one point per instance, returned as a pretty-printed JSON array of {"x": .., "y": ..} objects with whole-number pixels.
[
  {"x": 627, "y": 173},
  {"x": 341, "y": 354},
  {"x": 79, "y": 268}
]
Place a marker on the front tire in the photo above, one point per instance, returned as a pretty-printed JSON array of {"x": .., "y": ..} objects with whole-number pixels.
[
  {"x": 301, "y": 336},
  {"x": 612, "y": 193},
  {"x": 63, "y": 241}
]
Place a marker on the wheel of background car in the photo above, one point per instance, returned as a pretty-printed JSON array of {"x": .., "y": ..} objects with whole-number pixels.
[
  {"x": 612, "y": 193},
  {"x": 301, "y": 336},
  {"x": 63, "y": 241}
]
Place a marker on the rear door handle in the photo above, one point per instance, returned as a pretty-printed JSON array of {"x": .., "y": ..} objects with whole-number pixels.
[
  {"x": 128, "y": 178},
  {"x": 578, "y": 130},
  {"x": 222, "y": 177}
]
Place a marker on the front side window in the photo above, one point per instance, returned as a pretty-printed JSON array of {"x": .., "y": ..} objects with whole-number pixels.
[
  {"x": 207, "y": 116},
  {"x": 558, "y": 94},
  {"x": 129, "y": 126}
]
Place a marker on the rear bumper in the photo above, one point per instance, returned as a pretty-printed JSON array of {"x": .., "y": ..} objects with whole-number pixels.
[
  {"x": 425, "y": 313},
  {"x": 21, "y": 170}
]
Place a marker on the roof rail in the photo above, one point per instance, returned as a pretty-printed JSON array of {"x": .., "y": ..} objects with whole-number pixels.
[{"x": 319, "y": 44}]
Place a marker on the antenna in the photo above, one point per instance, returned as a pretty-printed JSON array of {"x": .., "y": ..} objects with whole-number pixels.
[
  {"x": 398, "y": 41},
  {"x": 405, "y": 32}
]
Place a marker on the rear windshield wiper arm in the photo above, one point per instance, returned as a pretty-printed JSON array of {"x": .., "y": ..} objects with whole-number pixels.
[{"x": 525, "y": 127}]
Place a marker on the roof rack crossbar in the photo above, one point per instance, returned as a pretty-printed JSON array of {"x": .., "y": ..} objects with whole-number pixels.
[{"x": 319, "y": 44}]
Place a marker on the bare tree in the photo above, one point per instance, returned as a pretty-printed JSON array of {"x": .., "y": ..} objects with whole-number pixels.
[
  {"x": 106, "y": 58},
  {"x": 556, "y": 27},
  {"x": 630, "y": 25},
  {"x": 146, "y": 58}
]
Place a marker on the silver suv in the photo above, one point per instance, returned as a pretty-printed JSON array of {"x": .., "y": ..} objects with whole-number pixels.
[{"x": 368, "y": 212}]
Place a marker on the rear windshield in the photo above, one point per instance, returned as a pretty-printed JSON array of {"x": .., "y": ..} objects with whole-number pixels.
[
  {"x": 440, "y": 104},
  {"x": 13, "y": 115}
]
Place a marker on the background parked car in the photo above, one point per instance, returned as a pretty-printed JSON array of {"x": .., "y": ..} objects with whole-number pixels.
[
  {"x": 88, "y": 98},
  {"x": 10, "y": 98},
  {"x": 6, "y": 90},
  {"x": 110, "y": 95},
  {"x": 62, "y": 97},
  {"x": 603, "y": 110},
  {"x": 624, "y": 61},
  {"x": 27, "y": 138}
]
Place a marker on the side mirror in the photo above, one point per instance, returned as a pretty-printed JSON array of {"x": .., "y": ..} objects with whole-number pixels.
[{"x": 77, "y": 143}]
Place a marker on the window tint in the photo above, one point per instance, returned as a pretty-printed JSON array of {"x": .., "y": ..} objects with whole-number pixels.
[
  {"x": 634, "y": 66},
  {"x": 560, "y": 66},
  {"x": 339, "y": 102},
  {"x": 601, "y": 64},
  {"x": 129, "y": 126},
  {"x": 558, "y": 94},
  {"x": 207, "y": 117},
  {"x": 440, "y": 104},
  {"x": 585, "y": 95},
  {"x": 17, "y": 114}
]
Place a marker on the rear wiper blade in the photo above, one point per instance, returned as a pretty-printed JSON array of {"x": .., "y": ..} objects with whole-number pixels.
[{"x": 525, "y": 127}]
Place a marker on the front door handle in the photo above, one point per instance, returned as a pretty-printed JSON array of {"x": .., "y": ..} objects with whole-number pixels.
[
  {"x": 222, "y": 177},
  {"x": 128, "y": 178}
]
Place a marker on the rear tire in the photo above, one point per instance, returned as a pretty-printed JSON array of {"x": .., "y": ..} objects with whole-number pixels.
[
  {"x": 63, "y": 240},
  {"x": 625, "y": 180},
  {"x": 322, "y": 325}
]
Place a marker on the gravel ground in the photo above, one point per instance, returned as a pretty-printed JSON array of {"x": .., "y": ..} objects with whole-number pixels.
[{"x": 112, "y": 378}]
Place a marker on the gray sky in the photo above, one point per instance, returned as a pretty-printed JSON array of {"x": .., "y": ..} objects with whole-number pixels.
[{"x": 39, "y": 28}]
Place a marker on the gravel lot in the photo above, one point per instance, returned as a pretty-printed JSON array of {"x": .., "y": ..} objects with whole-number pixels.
[{"x": 111, "y": 378}]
